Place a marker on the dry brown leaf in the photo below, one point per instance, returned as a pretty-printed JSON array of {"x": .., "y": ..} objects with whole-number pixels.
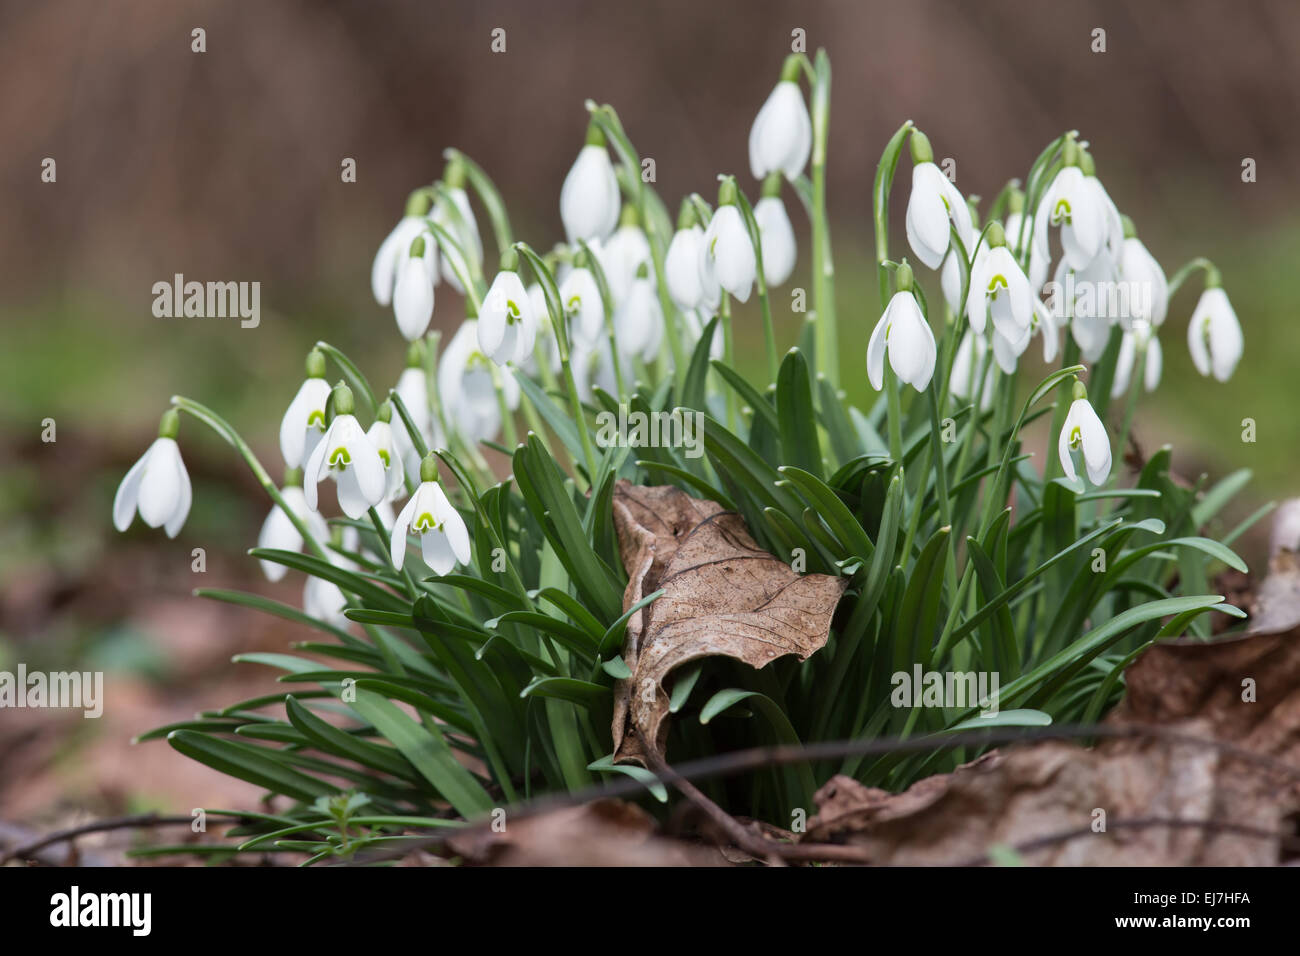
[
  {"x": 1049, "y": 789},
  {"x": 600, "y": 833},
  {"x": 723, "y": 596}
]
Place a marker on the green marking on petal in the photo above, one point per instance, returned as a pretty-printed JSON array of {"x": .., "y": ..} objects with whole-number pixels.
[
  {"x": 339, "y": 458},
  {"x": 316, "y": 419},
  {"x": 425, "y": 522},
  {"x": 1061, "y": 212}
]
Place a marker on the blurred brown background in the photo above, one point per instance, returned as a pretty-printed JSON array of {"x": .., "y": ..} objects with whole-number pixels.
[{"x": 225, "y": 165}]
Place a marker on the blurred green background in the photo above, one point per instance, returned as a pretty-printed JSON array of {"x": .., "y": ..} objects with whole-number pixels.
[{"x": 225, "y": 165}]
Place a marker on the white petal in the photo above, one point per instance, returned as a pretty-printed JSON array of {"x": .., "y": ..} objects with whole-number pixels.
[
  {"x": 732, "y": 252},
  {"x": 589, "y": 197},
  {"x": 927, "y": 215},
  {"x": 453, "y": 524},
  {"x": 128, "y": 493},
  {"x": 383, "y": 272},
  {"x": 776, "y": 235},
  {"x": 1063, "y": 447},
  {"x": 437, "y": 552},
  {"x": 781, "y": 137},
  {"x": 369, "y": 469},
  {"x": 278, "y": 532},
  {"x": 876, "y": 351},
  {"x": 397, "y": 542},
  {"x": 310, "y": 398},
  {"x": 1124, "y": 365},
  {"x": 681, "y": 268},
  {"x": 176, "y": 521},
  {"x": 1155, "y": 363},
  {"x": 413, "y": 298},
  {"x": 160, "y": 487}
]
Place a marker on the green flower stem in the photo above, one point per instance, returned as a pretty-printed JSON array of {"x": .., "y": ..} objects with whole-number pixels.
[
  {"x": 729, "y": 356},
  {"x": 412, "y": 589},
  {"x": 558, "y": 320},
  {"x": 455, "y": 256},
  {"x": 507, "y": 416},
  {"x": 489, "y": 195},
  {"x": 1130, "y": 407},
  {"x": 223, "y": 428},
  {"x": 823, "y": 267},
  {"x": 894, "y": 411}
]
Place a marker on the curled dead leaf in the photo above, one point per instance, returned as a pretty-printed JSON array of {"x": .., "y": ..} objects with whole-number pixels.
[{"x": 723, "y": 596}]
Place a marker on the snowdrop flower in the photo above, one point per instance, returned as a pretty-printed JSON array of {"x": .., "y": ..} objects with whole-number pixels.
[
  {"x": 1073, "y": 204},
  {"x": 781, "y": 138},
  {"x": 1083, "y": 432},
  {"x": 905, "y": 336},
  {"x": 966, "y": 365},
  {"x": 727, "y": 254},
  {"x": 304, "y": 420},
  {"x": 1140, "y": 338},
  {"x": 158, "y": 486},
  {"x": 383, "y": 272},
  {"x": 383, "y": 437},
  {"x": 623, "y": 254},
  {"x": 776, "y": 236},
  {"x": 347, "y": 456},
  {"x": 934, "y": 202},
  {"x": 413, "y": 294},
  {"x": 467, "y": 386},
  {"x": 1139, "y": 269},
  {"x": 682, "y": 272},
  {"x": 279, "y": 532},
  {"x": 1112, "y": 223},
  {"x": 507, "y": 324},
  {"x": 1214, "y": 334},
  {"x": 639, "y": 321},
  {"x": 583, "y": 306},
  {"x": 444, "y": 540},
  {"x": 1000, "y": 289},
  {"x": 589, "y": 198}
]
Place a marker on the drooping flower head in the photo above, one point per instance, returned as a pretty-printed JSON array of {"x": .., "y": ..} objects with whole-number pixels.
[
  {"x": 303, "y": 423},
  {"x": 507, "y": 323},
  {"x": 902, "y": 335},
  {"x": 589, "y": 203},
  {"x": 775, "y": 234},
  {"x": 935, "y": 202},
  {"x": 394, "y": 249},
  {"x": 417, "y": 272},
  {"x": 444, "y": 540},
  {"x": 345, "y": 454},
  {"x": 1000, "y": 290},
  {"x": 1084, "y": 432},
  {"x": 157, "y": 486},
  {"x": 467, "y": 387},
  {"x": 727, "y": 253},
  {"x": 1214, "y": 334},
  {"x": 780, "y": 140},
  {"x": 682, "y": 271}
]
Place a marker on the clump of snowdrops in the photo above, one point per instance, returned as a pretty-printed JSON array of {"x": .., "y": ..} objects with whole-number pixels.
[{"x": 470, "y": 618}]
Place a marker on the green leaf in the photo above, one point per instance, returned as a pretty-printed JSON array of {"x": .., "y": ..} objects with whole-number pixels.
[
  {"x": 797, "y": 415},
  {"x": 427, "y": 751},
  {"x": 257, "y": 765}
]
